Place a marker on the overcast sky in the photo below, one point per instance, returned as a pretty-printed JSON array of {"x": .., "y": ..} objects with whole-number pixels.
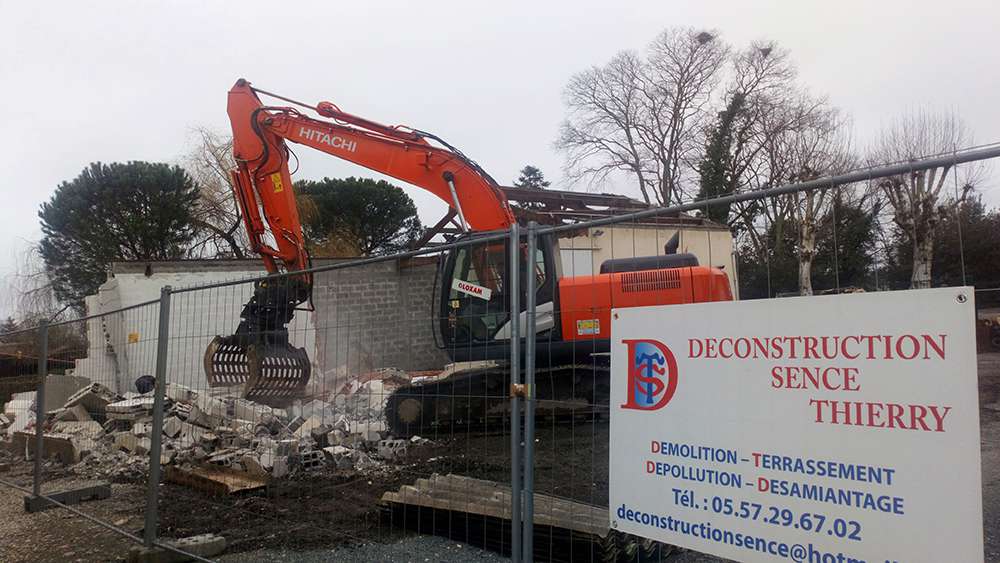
[{"x": 127, "y": 80}]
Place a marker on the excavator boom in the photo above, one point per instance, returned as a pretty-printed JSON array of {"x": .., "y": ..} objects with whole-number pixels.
[{"x": 259, "y": 356}]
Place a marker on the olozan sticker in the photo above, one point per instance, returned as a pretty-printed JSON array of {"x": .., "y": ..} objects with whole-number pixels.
[{"x": 472, "y": 289}]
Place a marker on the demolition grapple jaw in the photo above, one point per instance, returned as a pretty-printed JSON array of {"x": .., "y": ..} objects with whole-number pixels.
[
  {"x": 258, "y": 357},
  {"x": 273, "y": 375}
]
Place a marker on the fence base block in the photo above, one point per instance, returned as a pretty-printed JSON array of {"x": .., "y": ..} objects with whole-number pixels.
[
  {"x": 204, "y": 545},
  {"x": 73, "y": 496}
]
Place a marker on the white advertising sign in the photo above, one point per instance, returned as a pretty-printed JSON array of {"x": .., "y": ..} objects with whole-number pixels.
[{"x": 816, "y": 429}]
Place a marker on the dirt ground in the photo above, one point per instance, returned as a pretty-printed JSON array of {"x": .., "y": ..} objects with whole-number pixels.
[{"x": 329, "y": 514}]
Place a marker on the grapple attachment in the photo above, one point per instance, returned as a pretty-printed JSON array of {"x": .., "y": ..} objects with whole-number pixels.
[
  {"x": 259, "y": 357},
  {"x": 272, "y": 375}
]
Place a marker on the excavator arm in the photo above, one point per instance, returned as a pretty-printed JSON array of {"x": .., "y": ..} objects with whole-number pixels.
[
  {"x": 259, "y": 356},
  {"x": 264, "y": 185}
]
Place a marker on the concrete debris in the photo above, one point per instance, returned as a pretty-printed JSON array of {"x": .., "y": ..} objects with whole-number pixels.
[
  {"x": 180, "y": 394},
  {"x": 75, "y": 413},
  {"x": 84, "y": 429},
  {"x": 131, "y": 409},
  {"x": 109, "y": 436},
  {"x": 95, "y": 399},
  {"x": 392, "y": 449},
  {"x": 204, "y": 546},
  {"x": 312, "y": 459},
  {"x": 172, "y": 427},
  {"x": 59, "y": 388},
  {"x": 20, "y": 409},
  {"x": 131, "y": 443}
]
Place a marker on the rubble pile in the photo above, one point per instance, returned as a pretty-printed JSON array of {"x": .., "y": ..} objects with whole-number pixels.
[{"x": 109, "y": 436}]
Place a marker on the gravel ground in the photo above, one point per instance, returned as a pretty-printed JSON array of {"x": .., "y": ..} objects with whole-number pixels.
[
  {"x": 59, "y": 535},
  {"x": 410, "y": 550}
]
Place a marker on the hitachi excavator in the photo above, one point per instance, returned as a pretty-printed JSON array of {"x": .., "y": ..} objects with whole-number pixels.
[{"x": 474, "y": 321}]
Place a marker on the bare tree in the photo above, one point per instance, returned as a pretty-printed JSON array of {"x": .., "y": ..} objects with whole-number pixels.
[
  {"x": 742, "y": 154},
  {"x": 28, "y": 292},
  {"x": 217, "y": 217},
  {"x": 822, "y": 149},
  {"x": 644, "y": 115},
  {"x": 918, "y": 199},
  {"x": 765, "y": 157}
]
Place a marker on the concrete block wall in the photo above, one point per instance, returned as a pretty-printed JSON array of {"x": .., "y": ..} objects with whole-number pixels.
[{"x": 378, "y": 315}]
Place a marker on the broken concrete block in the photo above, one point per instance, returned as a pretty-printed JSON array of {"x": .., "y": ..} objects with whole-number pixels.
[
  {"x": 287, "y": 447},
  {"x": 335, "y": 437},
  {"x": 311, "y": 423},
  {"x": 59, "y": 388},
  {"x": 130, "y": 409},
  {"x": 58, "y": 446},
  {"x": 180, "y": 410},
  {"x": 142, "y": 428},
  {"x": 75, "y": 413},
  {"x": 319, "y": 435},
  {"x": 172, "y": 427},
  {"x": 362, "y": 462},
  {"x": 180, "y": 393},
  {"x": 131, "y": 443},
  {"x": 251, "y": 411},
  {"x": 204, "y": 546},
  {"x": 342, "y": 457},
  {"x": 295, "y": 423},
  {"x": 89, "y": 428},
  {"x": 211, "y": 406},
  {"x": 312, "y": 459},
  {"x": 202, "y": 418},
  {"x": 82, "y": 447},
  {"x": 392, "y": 449},
  {"x": 251, "y": 464},
  {"x": 279, "y": 467},
  {"x": 94, "y": 398},
  {"x": 226, "y": 457},
  {"x": 369, "y": 431}
]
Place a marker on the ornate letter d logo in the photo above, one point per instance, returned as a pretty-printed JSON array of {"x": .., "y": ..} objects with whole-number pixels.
[{"x": 652, "y": 375}]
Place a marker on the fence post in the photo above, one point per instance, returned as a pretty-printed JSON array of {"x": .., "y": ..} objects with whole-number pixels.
[
  {"x": 527, "y": 540},
  {"x": 156, "y": 441},
  {"x": 515, "y": 400},
  {"x": 43, "y": 370}
]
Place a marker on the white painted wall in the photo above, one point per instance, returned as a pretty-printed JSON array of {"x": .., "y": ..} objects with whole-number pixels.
[{"x": 130, "y": 338}]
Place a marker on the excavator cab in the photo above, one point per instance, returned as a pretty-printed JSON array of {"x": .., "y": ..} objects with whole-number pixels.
[{"x": 475, "y": 319}]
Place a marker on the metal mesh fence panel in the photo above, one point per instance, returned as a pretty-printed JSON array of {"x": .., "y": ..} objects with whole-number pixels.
[{"x": 380, "y": 411}]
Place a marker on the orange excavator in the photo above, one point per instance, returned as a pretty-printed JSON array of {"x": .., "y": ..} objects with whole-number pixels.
[{"x": 474, "y": 320}]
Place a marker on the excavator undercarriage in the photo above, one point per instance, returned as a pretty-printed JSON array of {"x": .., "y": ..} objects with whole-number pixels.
[{"x": 479, "y": 399}]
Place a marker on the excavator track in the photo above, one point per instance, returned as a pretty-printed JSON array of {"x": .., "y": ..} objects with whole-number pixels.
[{"x": 479, "y": 399}]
